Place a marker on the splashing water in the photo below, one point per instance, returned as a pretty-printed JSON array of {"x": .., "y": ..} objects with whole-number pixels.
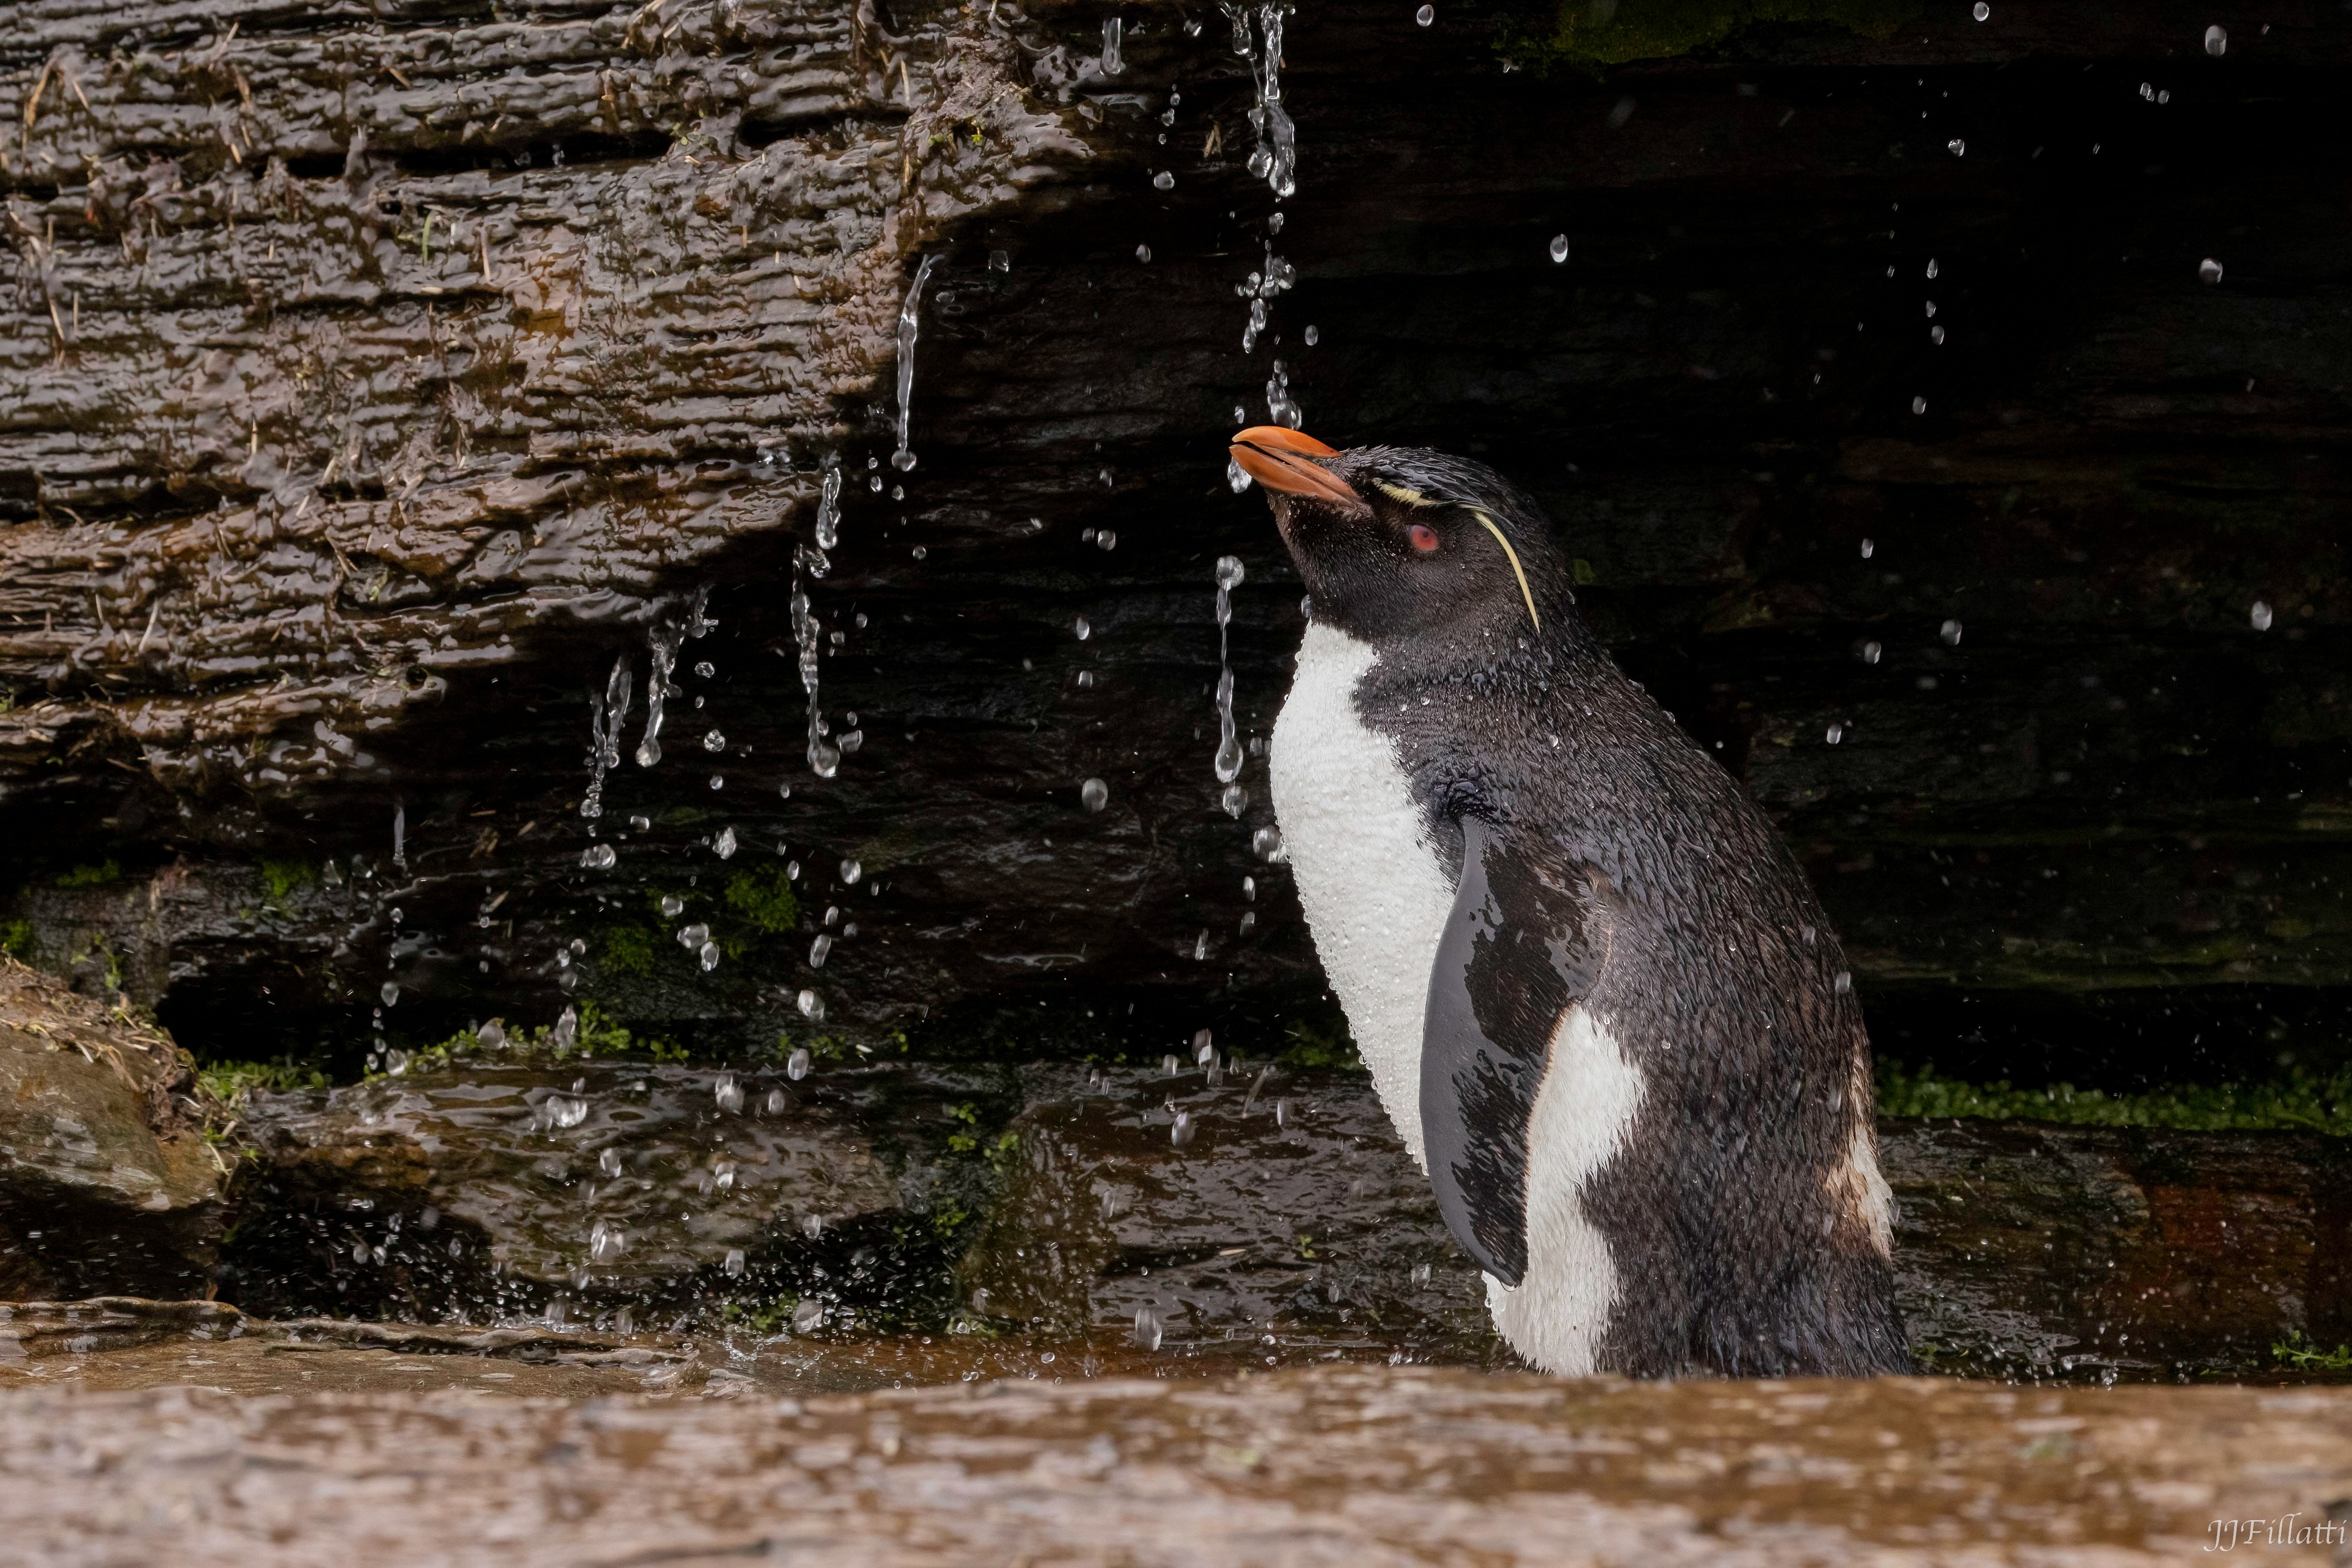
[
  {"x": 663, "y": 640},
  {"x": 400, "y": 835},
  {"x": 1275, "y": 161},
  {"x": 1111, "y": 62},
  {"x": 910, "y": 323},
  {"x": 828, "y": 510},
  {"x": 605, "y": 716},
  {"x": 824, "y": 757},
  {"x": 1230, "y": 573},
  {"x": 1280, "y": 407}
]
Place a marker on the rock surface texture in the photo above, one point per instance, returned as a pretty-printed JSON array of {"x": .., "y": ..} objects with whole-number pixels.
[
  {"x": 1359, "y": 1465},
  {"x": 107, "y": 1183},
  {"x": 1057, "y": 1204}
]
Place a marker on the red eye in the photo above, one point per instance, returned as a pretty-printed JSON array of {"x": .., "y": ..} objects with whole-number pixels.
[{"x": 1423, "y": 537}]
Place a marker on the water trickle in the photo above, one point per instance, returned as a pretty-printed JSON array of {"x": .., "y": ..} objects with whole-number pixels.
[
  {"x": 1559, "y": 247},
  {"x": 1230, "y": 573},
  {"x": 1111, "y": 62},
  {"x": 605, "y": 716},
  {"x": 1279, "y": 405},
  {"x": 824, "y": 757},
  {"x": 909, "y": 325},
  {"x": 663, "y": 640},
  {"x": 724, "y": 844},
  {"x": 400, "y": 836},
  {"x": 1094, "y": 795},
  {"x": 1275, "y": 160}
]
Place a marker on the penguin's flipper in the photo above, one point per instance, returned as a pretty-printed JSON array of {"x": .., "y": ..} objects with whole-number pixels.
[{"x": 1522, "y": 943}]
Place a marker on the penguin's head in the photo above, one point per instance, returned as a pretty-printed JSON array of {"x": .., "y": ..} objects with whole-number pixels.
[{"x": 1395, "y": 541}]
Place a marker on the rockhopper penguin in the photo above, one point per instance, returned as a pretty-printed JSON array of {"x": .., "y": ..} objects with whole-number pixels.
[{"x": 1593, "y": 989}]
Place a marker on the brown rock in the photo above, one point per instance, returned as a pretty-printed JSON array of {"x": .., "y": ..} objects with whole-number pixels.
[{"x": 107, "y": 1183}]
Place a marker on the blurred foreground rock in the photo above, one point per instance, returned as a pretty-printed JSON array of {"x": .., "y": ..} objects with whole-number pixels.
[
  {"x": 1058, "y": 1203},
  {"x": 1354, "y": 1465},
  {"x": 107, "y": 1183}
]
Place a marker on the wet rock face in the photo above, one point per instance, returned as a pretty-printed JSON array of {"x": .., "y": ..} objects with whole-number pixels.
[
  {"x": 2091, "y": 830},
  {"x": 1280, "y": 1218},
  {"x": 107, "y": 1183},
  {"x": 1354, "y": 1464},
  {"x": 596, "y": 1187}
]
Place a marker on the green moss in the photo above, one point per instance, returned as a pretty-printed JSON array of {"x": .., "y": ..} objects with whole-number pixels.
[
  {"x": 1316, "y": 1047},
  {"x": 2302, "y": 1102},
  {"x": 229, "y": 1081},
  {"x": 1593, "y": 35},
  {"x": 281, "y": 878},
  {"x": 596, "y": 1034},
  {"x": 625, "y": 949},
  {"x": 764, "y": 898},
  {"x": 17, "y": 939},
  {"x": 96, "y": 875},
  {"x": 2297, "y": 1351}
]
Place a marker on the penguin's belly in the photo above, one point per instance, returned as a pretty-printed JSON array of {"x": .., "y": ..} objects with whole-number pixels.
[{"x": 1375, "y": 892}]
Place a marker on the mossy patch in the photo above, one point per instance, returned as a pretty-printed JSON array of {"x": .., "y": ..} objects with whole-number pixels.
[
  {"x": 102, "y": 875},
  {"x": 763, "y": 897},
  {"x": 281, "y": 879},
  {"x": 1592, "y": 34},
  {"x": 2299, "y": 1352},
  {"x": 2302, "y": 1102},
  {"x": 229, "y": 1081},
  {"x": 627, "y": 950},
  {"x": 17, "y": 939},
  {"x": 595, "y": 1034}
]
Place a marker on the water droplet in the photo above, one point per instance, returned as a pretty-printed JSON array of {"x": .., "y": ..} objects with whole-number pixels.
[
  {"x": 2148, "y": 90},
  {"x": 1266, "y": 845},
  {"x": 598, "y": 857},
  {"x": 2216, "y": 41},
  {"x": 709, "y": 953},
  {"x": 1931, "y": 267},
  {"x": 1180, "y": 1131},
  {"x": 1112, "y": 65},
  {"x": 1425, "y": 15},
  {"x": 1313, "y": 335},
  {"x": 1094, "y": 795},
  {"x": 1869, "y": 547},
  {"x": 1870, "y": 653},
  {"x": 1936, "y": 334},
  {"x": 566, "y": 1111},
  {"x": 1234, "y": 474},
  {"x": 606, "y": 1241},
  {"x": 727, "y": 1092},
  {"x": 725, "y": 844},
  {"x": 1107, "y": 539},
  {"x": 809, "y": 1316},
  {"x": 1282, "y": 1113},
  {"x": 850, "y": 872},
  {"x": 1148, "y": 1328},
  {"x": 2261, "y": 616},
  {"x": 1836, "y": 734},
  {"x": 1168, "y": 1066},
  {"x": 1143, "y": 253},
  {"x": 776, "y": 1102},
  {"x": 734, "y": 1264},
  {"x": 390, "y": 993},
  {"x": 1249, "y": 888},
  {"x": 567, "y": 1028},
  {"x": 1981, "y": 10},
  {"x": 672, "y": 904},
  {"x": 819, "y": 950},
  {"x": 1000, "y": 262},
  {"x": 712, "y": 740},
  {"x": 639, "y": 823},
  {"x": 1086, "y": 680},
  {"x": 1844, "y": 983},
  {"x": 1084, "y": 627},
  {"x": 609, "y": 1161},
  {"x": 1950, "y": 632},
  {"x": 1956, "y": 147},
  {"x": 693, "y": 936},
  {"x": 796, "y": 1067},
  {"x": 1201, "y": 948},
  {"x": 1918, "y": 405},
  {"x": 706, "y": 669},
  {"x": 1559, "y": 247},
  {"x": 2210, "y": 270},
  {"x": 719, "y": 781},
  {"x": 1163, "y": 180}
]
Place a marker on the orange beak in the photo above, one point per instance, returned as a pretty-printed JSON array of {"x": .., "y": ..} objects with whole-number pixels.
[{"x": 1284, "y": 459}]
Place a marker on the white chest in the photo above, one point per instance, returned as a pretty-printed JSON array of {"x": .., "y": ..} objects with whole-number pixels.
[{"x": 1375, "y": 892}]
